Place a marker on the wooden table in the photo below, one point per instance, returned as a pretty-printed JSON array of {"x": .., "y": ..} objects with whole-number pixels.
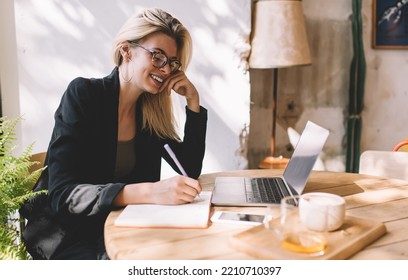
[{"x": 368, "y": 197}]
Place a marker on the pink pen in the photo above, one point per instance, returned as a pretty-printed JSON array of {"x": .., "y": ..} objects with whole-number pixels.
[{"x": 174, "y": 158}]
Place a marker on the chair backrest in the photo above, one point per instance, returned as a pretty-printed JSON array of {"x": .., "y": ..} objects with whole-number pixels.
[
  {"x": 40, "y": 159},
  {"x": 401, "y": 146},
  {"x": 384, "y": 163}
]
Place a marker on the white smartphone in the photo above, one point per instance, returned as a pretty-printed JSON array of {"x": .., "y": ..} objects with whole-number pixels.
[{"x": 237, "y": 218}]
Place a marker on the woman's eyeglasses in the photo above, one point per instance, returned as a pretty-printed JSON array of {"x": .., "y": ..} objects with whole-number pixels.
[{"x": 159, "y": 59}]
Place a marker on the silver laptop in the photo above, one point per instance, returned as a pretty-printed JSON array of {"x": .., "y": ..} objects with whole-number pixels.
[{"x": 252, "y": 191}]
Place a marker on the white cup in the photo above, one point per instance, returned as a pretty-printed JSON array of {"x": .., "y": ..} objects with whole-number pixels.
[{"x": 313, "y": 207}]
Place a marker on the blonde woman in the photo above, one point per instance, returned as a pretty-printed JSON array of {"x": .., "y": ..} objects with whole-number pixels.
[{"x": 108, "y": 140}]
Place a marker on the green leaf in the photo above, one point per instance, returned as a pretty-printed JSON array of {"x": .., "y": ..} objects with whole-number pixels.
[{"x": 16, "y": 183}]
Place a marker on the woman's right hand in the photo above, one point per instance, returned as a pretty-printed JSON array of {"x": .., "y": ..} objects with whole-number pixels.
[{"x": 174, "y": 190}]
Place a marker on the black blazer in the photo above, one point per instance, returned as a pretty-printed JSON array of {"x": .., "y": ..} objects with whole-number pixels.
[{"x": 81, "y": 161}]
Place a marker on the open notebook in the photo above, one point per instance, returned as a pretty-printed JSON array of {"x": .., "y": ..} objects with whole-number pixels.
[{"x": 190, "y": 215}]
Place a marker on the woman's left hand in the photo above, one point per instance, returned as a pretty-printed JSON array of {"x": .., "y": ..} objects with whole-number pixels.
[{"x": 182, "y": 85}]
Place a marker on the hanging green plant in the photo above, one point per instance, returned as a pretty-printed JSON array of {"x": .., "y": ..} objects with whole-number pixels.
[{"x": 16, "y": 183}]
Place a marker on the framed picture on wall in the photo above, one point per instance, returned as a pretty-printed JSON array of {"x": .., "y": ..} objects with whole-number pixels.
[{"x": 390, "y": 24}]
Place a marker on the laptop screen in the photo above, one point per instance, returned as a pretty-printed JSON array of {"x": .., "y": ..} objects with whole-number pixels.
[{"x": 304, "y": 157}]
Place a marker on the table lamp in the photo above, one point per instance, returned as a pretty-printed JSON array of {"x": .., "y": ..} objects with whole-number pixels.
[{"x": 278, "y": 40}]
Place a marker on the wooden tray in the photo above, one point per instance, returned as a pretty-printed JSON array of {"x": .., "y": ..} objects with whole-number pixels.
[{"x": 354, "y": 235}]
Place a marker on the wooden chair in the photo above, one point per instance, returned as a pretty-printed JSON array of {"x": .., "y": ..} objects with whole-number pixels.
[
  {"x": 40, "y": 159},
  {"x": 384, "y": 163},
  {"x": 401, "y": 146}
]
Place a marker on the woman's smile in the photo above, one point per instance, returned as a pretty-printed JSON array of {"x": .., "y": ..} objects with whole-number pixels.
[{"x": 157, "y": 80}]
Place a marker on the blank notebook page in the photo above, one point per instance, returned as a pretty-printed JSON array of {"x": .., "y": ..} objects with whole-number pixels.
[{"x": 191, "y": 215}]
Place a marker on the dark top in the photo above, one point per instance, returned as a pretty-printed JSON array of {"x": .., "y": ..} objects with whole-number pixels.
[
  {"x": 125, "y": 158},
  {"x": 81, "y": 160}
]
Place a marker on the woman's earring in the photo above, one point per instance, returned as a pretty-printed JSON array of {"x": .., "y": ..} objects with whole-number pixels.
[{"x": 130, "y": 76}]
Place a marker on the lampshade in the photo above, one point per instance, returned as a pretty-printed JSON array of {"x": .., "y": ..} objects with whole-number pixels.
[{"x": 279, "y": 35}]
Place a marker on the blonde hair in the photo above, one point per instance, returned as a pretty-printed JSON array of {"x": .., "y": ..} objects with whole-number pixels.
[{"x": 156, "y": 108}]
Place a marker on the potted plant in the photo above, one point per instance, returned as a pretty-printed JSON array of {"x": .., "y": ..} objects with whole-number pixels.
[{"x": 16, "y": 183}]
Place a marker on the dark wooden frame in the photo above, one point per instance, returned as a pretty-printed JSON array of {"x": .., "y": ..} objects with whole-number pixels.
[{"x": 390, "y": 27}]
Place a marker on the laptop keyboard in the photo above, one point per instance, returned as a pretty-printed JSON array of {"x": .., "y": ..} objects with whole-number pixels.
[{"x": 265, "y": 190}]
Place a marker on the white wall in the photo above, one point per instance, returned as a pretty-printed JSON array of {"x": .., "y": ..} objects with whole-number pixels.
[
  {"x": 385, "y": 117},
  {"x": 10, "y": 98},
  {"x": 325, "y": 94},
  {"x": 60, "y": 40}
]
